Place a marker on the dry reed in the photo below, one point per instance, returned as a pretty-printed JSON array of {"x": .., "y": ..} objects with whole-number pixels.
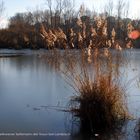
[{"x": 100, "y": 99}]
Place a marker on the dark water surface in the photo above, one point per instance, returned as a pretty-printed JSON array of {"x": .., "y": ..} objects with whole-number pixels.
[{"x": 30, "y": 91}]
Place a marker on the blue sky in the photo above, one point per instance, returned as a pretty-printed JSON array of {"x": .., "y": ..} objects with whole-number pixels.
[{"x": 14, "y": 6}]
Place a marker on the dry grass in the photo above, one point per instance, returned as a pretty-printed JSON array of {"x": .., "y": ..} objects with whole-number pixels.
[
  {"x": 95, "y": 35},
  {"x": 100, "y": 98},
  {"x": 101, "y": 104}
]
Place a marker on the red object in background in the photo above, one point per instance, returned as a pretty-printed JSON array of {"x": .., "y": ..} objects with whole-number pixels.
[{"x": 134, "y": 34}]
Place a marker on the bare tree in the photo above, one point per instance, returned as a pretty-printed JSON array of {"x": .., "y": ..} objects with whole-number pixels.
[
  {"x": 29, "y": 18},
  {"x": 60, "y": 5},
  {"x": 38, "y": 16},
  {"x": 122, "y": 11},
  {"x": 50, "y": 5},
  {"x": 109, "y": 7},
  {"x": 126, "y": 11},
  {"x": 82, "y": 10},
  {"x": 1, "y": 8},
  {"x": 120, "y": 8},
  {"x": 68, "y": 11}
]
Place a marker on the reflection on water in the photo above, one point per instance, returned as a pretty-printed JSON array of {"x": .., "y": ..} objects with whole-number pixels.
[{"x": 27, "y": 83}]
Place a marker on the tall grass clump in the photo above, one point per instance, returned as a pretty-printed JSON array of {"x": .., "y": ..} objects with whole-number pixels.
[
  {"x": 94, "y": 72},
  {"x": 99, "y": 103},
  {"x": 100, "y": 107},
  {"x": 100, "y": 100}
]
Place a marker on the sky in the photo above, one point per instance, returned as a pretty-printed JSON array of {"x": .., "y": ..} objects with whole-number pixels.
[{"x": 14, "y": 6}]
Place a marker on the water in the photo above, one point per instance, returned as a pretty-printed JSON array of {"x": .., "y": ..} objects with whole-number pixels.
[{"x": 30, "y": 91}]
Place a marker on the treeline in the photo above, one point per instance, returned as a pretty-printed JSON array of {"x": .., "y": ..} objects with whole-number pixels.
[{"x": 65, "y": 27}]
